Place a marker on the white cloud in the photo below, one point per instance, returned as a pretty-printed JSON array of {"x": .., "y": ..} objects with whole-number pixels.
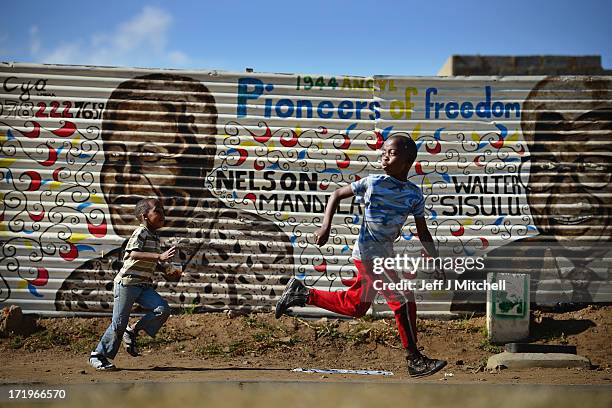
[
  {"x": 65, "y": 53},
  {"x": 178, "y": 58},
  {"x": 148, "y": 28},
  {"x": 34, "y": 40},
  {"x": 140, "y": 41}
]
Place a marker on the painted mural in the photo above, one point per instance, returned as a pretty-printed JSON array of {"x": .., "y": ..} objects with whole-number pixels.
[
  {"x": 523, "y": 180},
  {"x": 53, "y": 213},
  {"x": 514, "y": 169},
  {"x": 567, "y": 124}
]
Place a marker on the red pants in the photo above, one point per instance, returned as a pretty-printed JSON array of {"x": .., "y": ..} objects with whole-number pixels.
[{"x": 356, "y": 300}]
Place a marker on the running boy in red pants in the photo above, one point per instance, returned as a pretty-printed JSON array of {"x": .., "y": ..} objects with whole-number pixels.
[{"x": 388, "y": 199}]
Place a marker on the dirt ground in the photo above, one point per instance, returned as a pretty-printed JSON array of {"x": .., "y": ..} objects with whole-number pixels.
[{"x": 256, "y": 347}]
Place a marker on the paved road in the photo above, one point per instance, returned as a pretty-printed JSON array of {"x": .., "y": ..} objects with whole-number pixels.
[{"x": 291, "y": 394}]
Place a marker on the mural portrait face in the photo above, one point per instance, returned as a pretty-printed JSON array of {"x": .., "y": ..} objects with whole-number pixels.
[
  {"x": 159, "y": 141},
  {"x": 158, "y": 133},
  {"x": 568, "y": 126}
]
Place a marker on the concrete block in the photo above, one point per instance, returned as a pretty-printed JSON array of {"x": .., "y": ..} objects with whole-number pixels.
[
  {"x": 523, "y": 65},
  {"x": 532, "y": 360},
  {"x": 508, "y": 307}
]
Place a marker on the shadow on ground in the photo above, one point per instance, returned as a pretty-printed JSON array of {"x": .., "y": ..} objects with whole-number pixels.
[{"x": 551, "y": 329}]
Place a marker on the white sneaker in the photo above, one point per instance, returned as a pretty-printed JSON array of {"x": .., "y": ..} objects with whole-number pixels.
[
  {"x": 99, "y": 362},
  {"x": 129, "y": 340}
]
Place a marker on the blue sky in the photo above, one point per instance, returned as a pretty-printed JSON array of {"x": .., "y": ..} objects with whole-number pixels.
[{"x": 318, "y": 37}]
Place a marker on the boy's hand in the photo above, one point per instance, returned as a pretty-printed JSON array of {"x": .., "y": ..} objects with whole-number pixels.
[
  {"x": 172, "y": 273},
  {"x": 164, "y": 256},
  {"x": 321, "y": 236},
  {"x": 439, "y": 274}
]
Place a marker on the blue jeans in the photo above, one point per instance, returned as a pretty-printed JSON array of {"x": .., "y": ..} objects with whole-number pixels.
[{"x": 124, "y": 299}]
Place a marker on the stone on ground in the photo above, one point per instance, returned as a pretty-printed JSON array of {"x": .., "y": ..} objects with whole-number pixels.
[{"x": 532, "y": 360}]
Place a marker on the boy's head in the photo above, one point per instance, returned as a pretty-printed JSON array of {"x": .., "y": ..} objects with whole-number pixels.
[
  {"x": 150, "y": 212},
  {"x": 398, "y": 154}
]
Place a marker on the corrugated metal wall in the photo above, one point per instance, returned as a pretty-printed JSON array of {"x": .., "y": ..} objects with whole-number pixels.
[{"x": 517, "y": 168}]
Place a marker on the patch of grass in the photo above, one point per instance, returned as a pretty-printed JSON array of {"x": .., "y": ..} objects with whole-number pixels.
[
  {"x": 16, "y": 342},
  {"x": 327, "y": 330},
  {"x": 262, "y": 337},
  {"x": 481, "y": 366},
  {"x": 387, "y": 336},
  {"x": 42, "y": 340},
  {"x": 252, "y": 322},
  {"x": 211, "y": 349},
  {"x": 86, "y": 339},
  {"x": 425, "y": 326},
  {"x": 236, "y": 348},
  {"x": 362, "y": 332},
  {"x": 191, "y": 309},
  {"x": 151, "y": 342},
  {"x": 465, "y": 324},
  {"x": 366, "y": 332},
  {"x": 78, "y": 337},
  {"x": 486, "y": 345},
  {"x": 163, "y": 337},
  {"x": 266, "y": 341},
  {"x": 358, "y": 335},
  {"x": 267, "y": 336}
]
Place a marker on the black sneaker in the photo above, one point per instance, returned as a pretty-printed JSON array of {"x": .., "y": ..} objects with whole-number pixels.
[
  {"x": 99, "y": 362},
  {"x": 421, "y": 366},
  {"x": 129, "y": 340},
  {"x": 295, "y": 294}
]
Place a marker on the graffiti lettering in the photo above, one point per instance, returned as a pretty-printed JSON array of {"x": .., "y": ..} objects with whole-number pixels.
[
  {"x": 471, "y": 206},
  {"x": 83, "y": 110},
  {"x": 25, "y": 87},
  {"x": 65, "y": 112},
  {"x": 501, "y": 184},
  {"x": 403, "y": 109},
  {"x": 385, "y": 85},
  {"x": 307, "y": 83},
  {"x": 352, "y": 83},
  {"x": 498, "y": 195},
  {"x": 482, "y": 109},
  {"x": 307, "y": 203},
  {"x": 251, "y": 89},
  {"x": 12, "y": 108},
  {"x": 288, "y": 181}
]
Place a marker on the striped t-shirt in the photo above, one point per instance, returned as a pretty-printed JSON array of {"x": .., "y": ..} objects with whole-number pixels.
[
  {"x": 388, "y": 202},
  {"x": 139, "y": 271}
]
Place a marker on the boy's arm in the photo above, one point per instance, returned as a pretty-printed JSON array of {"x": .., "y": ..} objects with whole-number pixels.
[
  {"x": 322, "y": 234},
  {"x": 428, "y": 243},
  {"x": 425, "y": 237},
  {"x": 152, "y": 256}
]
